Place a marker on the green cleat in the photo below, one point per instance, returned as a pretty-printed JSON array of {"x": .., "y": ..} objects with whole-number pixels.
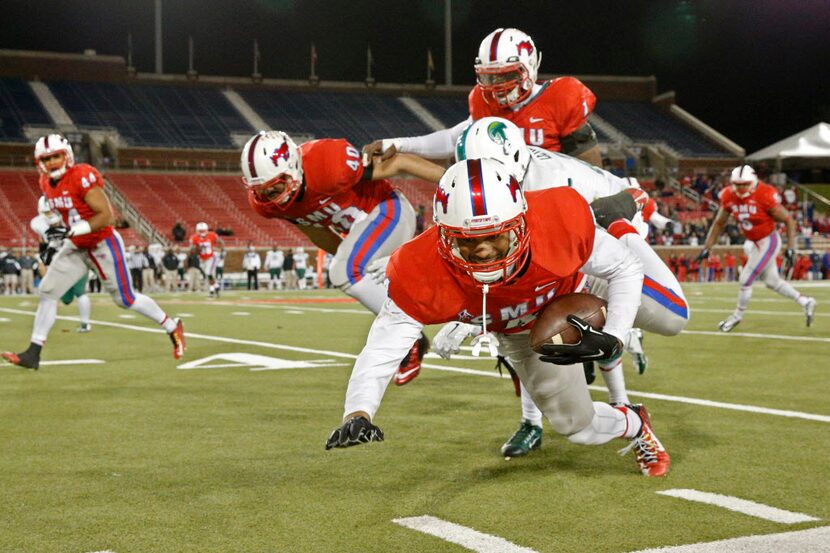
[{"x": 528, "y": 437}]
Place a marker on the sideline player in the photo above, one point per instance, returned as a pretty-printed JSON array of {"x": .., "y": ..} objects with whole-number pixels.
[
  {"x": 76, "y": 193},
  {"x": 553, "y": 115},
  {"x": 756, "y": 206},
  {"x": 346, "y": 209},
  {"x": 206, "y": 241},
  {"x": 495, "y": 254}
]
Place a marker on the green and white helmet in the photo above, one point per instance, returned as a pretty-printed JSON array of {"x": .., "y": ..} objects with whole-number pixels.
[{"x": 495, "y": 138}]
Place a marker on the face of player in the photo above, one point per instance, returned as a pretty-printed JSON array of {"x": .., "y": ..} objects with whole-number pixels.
[
  {"x": 281, "y": 189},
  {"x": 742, "y": 189},
  {"x": 54, "y": 161},
  {"x": 485, "y": 249}
]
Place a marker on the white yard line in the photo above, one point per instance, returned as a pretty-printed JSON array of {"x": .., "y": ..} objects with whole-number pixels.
[
  {"x": 463, "y": 370},
  {"x": 761, "y": 336},
  {"x": 74, "y": 362},
  {"x": 461, "y": 535},
  {"x": 738, "y": 505},
  {"x": 754, "y": 312},
  {"x": 814, "y": 540}
]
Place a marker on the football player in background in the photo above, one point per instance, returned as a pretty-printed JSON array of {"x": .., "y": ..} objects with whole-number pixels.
[
  {"x": 41, "y": 223},
  {"x": 553, "y": 115},
  {"x": 206, "y": 241},
  {"x": 76, "y": 193},
  {"x": 756, "y": 206},
  {"x": 345, "y": 208},
  {"x": 496, "y": 259}
]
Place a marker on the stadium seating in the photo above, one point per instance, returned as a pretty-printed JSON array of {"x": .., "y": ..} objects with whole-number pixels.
[
  {"x": 153, "y": 115},
  {"x": 358, "y": 117},
  {"x": 643, "y": 122},
  {"x": 18, "y": 107}
]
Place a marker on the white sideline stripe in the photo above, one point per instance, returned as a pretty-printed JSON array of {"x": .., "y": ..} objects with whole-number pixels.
[
  {"x": 74, "y": 362},
  {"x": 755, "y": 312},
  {"x": 813, "y": 540},
  {"x": 756, "y": 335},
  {"x": 744, "y": 506},
  {"x": 491, "y": 373},
  {"x": 461, "y": 535}
]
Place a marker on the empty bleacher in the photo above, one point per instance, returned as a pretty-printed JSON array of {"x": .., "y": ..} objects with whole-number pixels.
[
  {"x": 644, "y": 122},
  {"x": 18, "y": 107},
  {"x": 153, "y": 115},
  {"x": 358, "y": 117}
]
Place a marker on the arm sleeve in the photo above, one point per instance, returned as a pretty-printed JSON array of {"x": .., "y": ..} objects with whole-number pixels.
[
  {"x": 390, "y": 339},
  {"x": 612, "y": 261},
  {"x": 437, "y": 145}
]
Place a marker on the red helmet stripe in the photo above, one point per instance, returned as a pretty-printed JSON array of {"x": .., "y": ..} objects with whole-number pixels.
[
  {"x": 494, "y": 46},
  {"x": 251, "y": 150},
  {"x": 46, "y": 143},
  {"x": 476, "y": 188}
]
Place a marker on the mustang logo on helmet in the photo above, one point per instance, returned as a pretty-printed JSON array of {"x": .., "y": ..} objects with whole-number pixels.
[
  {"x": 442, "y": 198},
  {"x": 514, "y": 187},
  {"x": 524, "y": 45},
  {"x": 280, "y": 153}
]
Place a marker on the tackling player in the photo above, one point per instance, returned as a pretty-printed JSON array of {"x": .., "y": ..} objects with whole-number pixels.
[
  {"x": 552, "y": 115},
  {"x": 206, "y": 242},
  {"x": 76, "y": 193},
  {"x": 346, "y": 209},
  {"x": 496, "y": 259},
  {"x": 756, "y": 206}
]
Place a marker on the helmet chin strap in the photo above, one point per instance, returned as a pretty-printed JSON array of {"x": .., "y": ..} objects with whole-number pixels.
[{"x": 485, "y": 338}]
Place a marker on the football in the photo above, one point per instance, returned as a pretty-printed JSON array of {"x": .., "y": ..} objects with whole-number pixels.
[{"x": 552, "y": 327}]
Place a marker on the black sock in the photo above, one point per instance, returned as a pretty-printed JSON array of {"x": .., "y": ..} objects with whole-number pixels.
[{"x": 34, "y": 349}]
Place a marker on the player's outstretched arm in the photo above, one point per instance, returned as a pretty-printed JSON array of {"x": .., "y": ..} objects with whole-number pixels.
[
  {"x": 409, "y": 164},
  {"x": 103, "y": 215},
  {"x": 437, "y": 145},
  {"x": 781, "y": 215}
]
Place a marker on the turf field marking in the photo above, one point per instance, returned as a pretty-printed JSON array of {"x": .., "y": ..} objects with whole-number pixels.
[
  {"x": 756, "y": 335},
  {"x": 240, "y": 313},
  {"x": 255, "y": 362},
  {"x": 74, "y": 362},
  {"x": 744, "y": 506},
  {"x": 813, "y": 540},
  {"x": 461, "y": 535},
  {"x": 183, "y": 315},
  {"x": 754, "y": 312},
  {"x": 491, "y": 374},
  {"x": 5, "y": 320},
  {"x": 126, "y": 316}
]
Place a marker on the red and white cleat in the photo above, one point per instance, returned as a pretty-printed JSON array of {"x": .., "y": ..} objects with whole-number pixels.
[
  {"x": 651, "y": 456},
  {"x": 411, "y": 364},
  {"x": 177, "y": 337}
]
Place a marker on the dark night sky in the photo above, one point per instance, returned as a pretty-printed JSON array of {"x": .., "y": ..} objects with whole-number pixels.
[{"x": 756, "y": 70}]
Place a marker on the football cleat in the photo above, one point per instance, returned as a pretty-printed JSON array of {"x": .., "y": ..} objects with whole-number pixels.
[
  {"x": 526, "y": 438},
  {"x": 634, "y": 346},
  {"x": 731, "y": 322},
  {"x": 810, "y": 310},
  {"x": 650, "y": 454},
  {"x": 83, "y": 328},
  {"x": 26, "y": 359},
  {"x": 177, "y": 337},
  {"x": 411, "y": 365}
]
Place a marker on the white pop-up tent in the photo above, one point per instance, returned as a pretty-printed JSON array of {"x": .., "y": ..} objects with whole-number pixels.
[{"x": 810, "y": 147}]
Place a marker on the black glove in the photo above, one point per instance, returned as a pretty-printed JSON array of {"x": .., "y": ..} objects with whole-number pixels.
[
  {"x": 56, "y": 233},
  {"x": 47, "y": 254},
  {"x": 789, "y": 255},
  {"x": 355, "y": 431},
  {"x": 703, "y": 255},
  {"x": 595, "y": 345},
  {"x": 612, "y": 208}
]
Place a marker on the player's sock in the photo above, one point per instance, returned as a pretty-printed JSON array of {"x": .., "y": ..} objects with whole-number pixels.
[
  {"x": 168, "y": 324},
  {"x": 530, "y": 412},
  {"x": 368, "y": 292},
  {"x": 47, "y": 312},
  {"x": 612, "y": 373},
  {"x": 150, "y": 309},
  {"x": 608, "y": 423},
  {"x": 84, "y": 309},
  {"x": 744, "y": 295}
]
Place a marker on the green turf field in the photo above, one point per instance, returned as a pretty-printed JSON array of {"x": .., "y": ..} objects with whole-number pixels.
[{"x": 137, "y": 454}]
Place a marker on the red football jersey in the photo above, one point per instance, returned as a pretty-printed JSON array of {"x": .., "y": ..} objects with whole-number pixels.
[
  {"x": 561, "y": 107},
  {"x": 335, "y": 194},
  {"x": 66, "y": 197},
  {"x": 206, "y": 244},
  {"x": 432, "y": 291},
  {"x": 752, "y": 212}
]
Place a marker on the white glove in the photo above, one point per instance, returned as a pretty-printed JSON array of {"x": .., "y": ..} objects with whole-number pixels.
[
  {"x": 449, "y": 339},
  {"x": 376, "y": 270}
]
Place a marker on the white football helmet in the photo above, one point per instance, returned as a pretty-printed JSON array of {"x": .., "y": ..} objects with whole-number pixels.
[
  {"x": 477, "y": 198},
  {"x": 49, "y": 145},
  {"x": 507, "y": 66},
  {"x": 496, "y": 138},
  {"x": 202, "y": 228},
  {"x": 270, "y": 159},
  {"x": 741, "y": 176},
  {"x": 45, "y": 211}
]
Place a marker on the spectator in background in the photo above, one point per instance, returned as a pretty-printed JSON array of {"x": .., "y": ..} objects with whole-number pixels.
[
  {"x": 300, "y": 267},
  {"x": 220, "y": 267},
  {"x": 194, "y": 269},
  {"x": 28, "y": 266},
  {"x": 273, "y": 264},
  {"x": 148, "y": 271},
  {"x": 251, "y": 264},
  {"x": 825, "y": 264},
  {"x": 713, "y": 264},
  {"x": 93, "y": 282},
  {"x": 135, "y": 261},
  {"x": 815, "y": 266},
  {"x": 182, "y": 265},
  {"x": 288, "y": 270},
  {"x": 729, "y": 261},
  {"x": 179, "y": 232},
  {"x": 170, "y": 265},
  {"x": 10, "y": 269}
]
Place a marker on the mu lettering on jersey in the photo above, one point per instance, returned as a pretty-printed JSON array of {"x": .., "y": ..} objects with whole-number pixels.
[
  {"x": 752, "y": 212},
  {"x": 560, "y": 108},
  {"x": 561, "y": 231},
  {"x": 335, "y": 194},
  {"x": 206, "y": 244}
]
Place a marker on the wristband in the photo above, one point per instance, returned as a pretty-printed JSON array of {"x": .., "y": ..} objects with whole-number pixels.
[{"x": 80, "y": 228}]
